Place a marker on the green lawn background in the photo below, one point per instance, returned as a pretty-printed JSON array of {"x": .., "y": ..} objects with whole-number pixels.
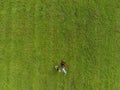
[{"x": 35, "y": 35}]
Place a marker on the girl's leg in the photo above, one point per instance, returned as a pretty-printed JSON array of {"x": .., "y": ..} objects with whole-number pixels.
[{"x": 64, "y": 71}]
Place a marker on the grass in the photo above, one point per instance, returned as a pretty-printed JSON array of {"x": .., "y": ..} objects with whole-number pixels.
[{"x": 35, "y": 35}]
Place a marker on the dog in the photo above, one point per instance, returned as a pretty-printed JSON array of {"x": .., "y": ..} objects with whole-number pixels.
[{"x": 57, "y": 68}]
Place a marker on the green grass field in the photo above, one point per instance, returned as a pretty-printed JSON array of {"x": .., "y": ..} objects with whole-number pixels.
[{"x": 35, "y": 35}]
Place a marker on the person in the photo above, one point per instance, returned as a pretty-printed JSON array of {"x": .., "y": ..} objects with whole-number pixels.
[
  {"x": 57, "y": 68},
  {"x": 63, "y": 65}
]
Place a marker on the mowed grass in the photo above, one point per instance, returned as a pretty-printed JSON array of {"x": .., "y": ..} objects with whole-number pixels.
[{"x": 35, "y": 35}]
